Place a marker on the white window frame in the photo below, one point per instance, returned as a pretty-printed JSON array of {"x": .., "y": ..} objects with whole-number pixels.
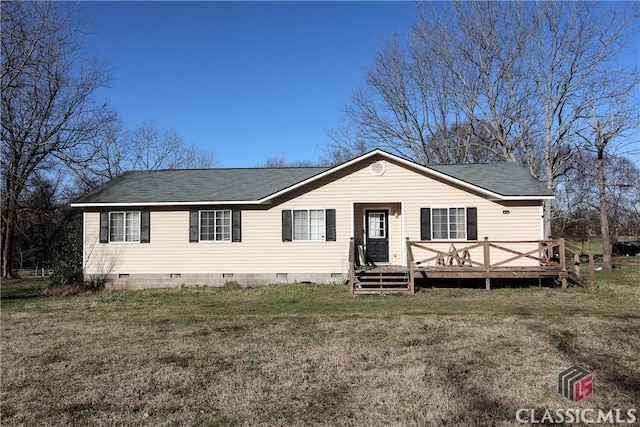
[
  {"x": 323, "y": 232},
  {"x": 124, "y": 226},
  {"x": 448, "y": 208},
  {"x": 385, "y": 224},
  {"x": 215, "y": 212}
]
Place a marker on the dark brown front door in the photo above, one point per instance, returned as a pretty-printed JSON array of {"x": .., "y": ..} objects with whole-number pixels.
[{"x": 377, "y": 229}]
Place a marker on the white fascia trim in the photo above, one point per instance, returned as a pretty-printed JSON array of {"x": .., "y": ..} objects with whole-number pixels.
[
  {"x": 141, "y": 204},
  {"x": 84, "y": 242},
  {"x": 403, "y": 237},
  {"x": 507, "y": 198},
  {"x": 542, "y": 236}
]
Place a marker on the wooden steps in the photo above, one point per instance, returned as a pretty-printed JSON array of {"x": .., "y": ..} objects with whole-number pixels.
[
  {"x": 378, "y": 281},
  {"x": 579, "y": 280}
]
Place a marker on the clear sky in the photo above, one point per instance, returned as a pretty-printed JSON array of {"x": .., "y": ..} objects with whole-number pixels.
[{"x": 247, "y": 80}]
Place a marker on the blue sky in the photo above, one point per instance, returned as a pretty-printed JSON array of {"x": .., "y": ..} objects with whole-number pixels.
[{"x": 247, "y": 80}]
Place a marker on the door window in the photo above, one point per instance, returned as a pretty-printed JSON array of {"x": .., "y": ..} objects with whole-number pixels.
[{"x": 377, "y": 225}]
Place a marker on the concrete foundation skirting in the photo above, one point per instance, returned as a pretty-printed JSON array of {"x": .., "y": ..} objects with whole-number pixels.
[{"x": 176, "y": 280}]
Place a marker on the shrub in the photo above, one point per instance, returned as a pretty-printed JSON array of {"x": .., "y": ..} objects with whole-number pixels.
[
  {"x": 232, "y": 284},
  {"x": 67, "y": 261}
]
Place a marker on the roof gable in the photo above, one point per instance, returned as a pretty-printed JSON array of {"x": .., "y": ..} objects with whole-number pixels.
[{"x": 503, "y": 181}]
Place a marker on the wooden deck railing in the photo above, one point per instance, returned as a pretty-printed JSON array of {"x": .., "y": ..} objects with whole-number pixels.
[
  {"x": 542, "y": 253},
  {"x": 489, "y": 256},
  {"x": 485, "y": 258}
]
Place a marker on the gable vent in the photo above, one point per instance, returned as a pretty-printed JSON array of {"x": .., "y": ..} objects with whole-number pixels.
[{"x": 377, "y": 168}]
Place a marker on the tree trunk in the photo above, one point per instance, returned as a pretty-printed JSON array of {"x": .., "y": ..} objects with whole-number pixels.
[
  {"x": 8, "y": 229},
  {"x": 604, "y": 220},
  {"x": 6, "y": 254}
]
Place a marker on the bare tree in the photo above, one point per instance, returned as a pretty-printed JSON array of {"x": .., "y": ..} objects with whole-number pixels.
[
  {"x": 451, "y": 74},
  {"x": 608, "y": 127},
  {"x": 573, "y": 63},
  {"x": 623, "y": 192},
  {"x": 600, "y": 195},
  {"x": 280, "y": 161},
  {"x": 151, "y": 148},
  {"x": 146, "y": 147},
  {"x": 520, "y": 76},
  {"x": 48, "y": 113}
]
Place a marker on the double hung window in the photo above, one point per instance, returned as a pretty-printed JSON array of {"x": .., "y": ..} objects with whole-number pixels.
[
  {"x": 215, "y": 226},
  {"x": 124, "y": 227},
  {"x": 309, "y": 224},
  {"x": 449, "y": 223}
]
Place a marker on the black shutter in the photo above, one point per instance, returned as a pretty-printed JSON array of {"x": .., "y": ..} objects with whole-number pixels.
[
  {"x": 330, "y": 222},
  {"x": 425, "y": 224},
  {"x": 287, "y": 232},
  {"x": 194, "y": 229},
  {"x": 104, "y": 227},
  {"x": 145, "y": 227},
  {"x": 236, "y": 225},
  {"x": 472, "y": 223}
]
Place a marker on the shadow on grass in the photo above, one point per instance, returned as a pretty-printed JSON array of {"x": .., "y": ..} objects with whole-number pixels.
[
  {"x": 608, "y": 367},
  {"x": 424, "y": 283},
  {"x": 480, "y": 407},
  {"x": 16, "y": 289}
]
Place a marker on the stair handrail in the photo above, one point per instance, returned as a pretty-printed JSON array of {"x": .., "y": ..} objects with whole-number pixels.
[
  {"x": 352, "y": 262},
  {"x": 576, "y": 251},
  {"x": 410, "y": 267}
]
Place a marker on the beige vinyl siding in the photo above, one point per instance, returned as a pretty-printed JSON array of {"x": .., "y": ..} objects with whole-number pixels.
[{"x": 349, "y": 191}]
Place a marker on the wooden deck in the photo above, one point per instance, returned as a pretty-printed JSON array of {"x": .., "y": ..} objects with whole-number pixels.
[{"x": 540, "y": 259}]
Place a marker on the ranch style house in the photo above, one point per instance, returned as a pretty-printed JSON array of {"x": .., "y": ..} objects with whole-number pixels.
[{"x": 379, "y": 222}]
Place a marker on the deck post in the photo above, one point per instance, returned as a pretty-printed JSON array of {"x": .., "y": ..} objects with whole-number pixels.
[
  {"x": 592, "y": 272},
  {"x": 487, "y": 262},
  {"x": 352, "y": 256},
  {"x": 412, "y": 283},
  {"x": 563, "y": 263}
]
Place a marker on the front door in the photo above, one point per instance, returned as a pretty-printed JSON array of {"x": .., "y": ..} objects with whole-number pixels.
[{"x": 378, "y": 236}]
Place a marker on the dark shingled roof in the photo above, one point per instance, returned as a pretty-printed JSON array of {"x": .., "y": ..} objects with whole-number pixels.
[
  {"x": 198, "y": 185},
  {"x": 505, "y": 179},
  {"x": 251, "y": 185}
]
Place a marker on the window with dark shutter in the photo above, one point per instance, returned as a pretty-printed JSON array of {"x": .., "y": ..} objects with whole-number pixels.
[
  {"x": 145, "y": 227},
  {"x": 425, "y": 224},
  {"x": 472, "y": 223},
  {"x": 331, "y": 225},
  {"x": 287, "y": 231},
  {"x": 236, "y": 223},
  {"x": 194, "y": 229},
  {"x": 104, "y": 227}
]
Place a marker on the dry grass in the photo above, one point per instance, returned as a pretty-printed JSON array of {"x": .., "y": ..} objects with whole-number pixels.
[{"x": 312, "y": 355}]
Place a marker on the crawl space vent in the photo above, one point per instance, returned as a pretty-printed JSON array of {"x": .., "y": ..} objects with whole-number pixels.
[{"x": 377, "y": 168}]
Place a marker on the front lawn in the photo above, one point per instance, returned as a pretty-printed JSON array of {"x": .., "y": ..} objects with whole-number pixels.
[{"x": 313, "y": 355}]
